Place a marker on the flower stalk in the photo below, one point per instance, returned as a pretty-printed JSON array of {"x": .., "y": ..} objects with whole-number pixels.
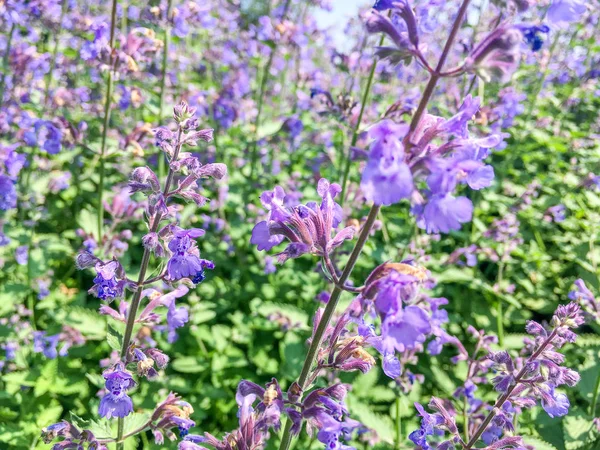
[
  {"x": 163, "y": 79},
  {"x": 135, "y": 303},
  {"x": 107, "y": 111},
  {"x": 360, "y": 243}
]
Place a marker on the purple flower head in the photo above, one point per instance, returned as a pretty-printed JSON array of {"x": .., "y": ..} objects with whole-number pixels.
[
  {"x": 185, "y": 261},
  {"x": 555, "y": 404},
  {"x": 401, "y": 29},
  {"x": 497, "y": 56},
  {"x": 22, "y": 255},
  {"x": 533, "y": 35},
  {"x": 430, "y": 426},
  {"x": 106, "y": 286},
  {"x": 42, "y": 343},
  {"x": 444, "y": 213},
  {"x": 307, "y": 227},
  {"x": 405, "y": 329},
  {"x": 49, "y": 137},
  {"x": 387, "y": 179},
  {"x": 8, "y": 193},
  {"x": 563, "y": 12},
  {"x": 116, "y": 402}
]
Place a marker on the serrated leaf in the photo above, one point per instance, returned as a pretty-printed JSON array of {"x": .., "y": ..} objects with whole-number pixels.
[
  {"x": 86, "y": 321},
  {"x": 135, "y": 421},
  {"x": 114, "y": 338},
  {"x": 381, "y": 424},
  {"x": 577, "y": 428},
  {"x": 47, "y": 378},
  {"x": 48, "y": 416},
  {"x": 538, "y": 444}
]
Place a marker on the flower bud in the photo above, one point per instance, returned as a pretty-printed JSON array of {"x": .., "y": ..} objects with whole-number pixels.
[
  {"x": 183, "y": 112},
  {"x": 496, "y": 57},
  {"x": 84, "y": 260},
  {"x": 150, "y": 241}
]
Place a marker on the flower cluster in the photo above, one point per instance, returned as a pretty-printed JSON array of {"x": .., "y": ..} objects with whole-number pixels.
[
  {"x": 520, "y": 382},
  {"x": 307, "y": 227},
  {"x": 260, "y": 410}
]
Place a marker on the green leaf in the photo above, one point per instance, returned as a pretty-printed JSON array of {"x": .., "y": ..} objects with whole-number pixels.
[
  {"x": 187, "y": 364},
  {"x": 381, "y": 424},
  {"x": 47, "y": 378},
  {"x": 114, "y": 338},
  {"x": 135, "y": 421}
]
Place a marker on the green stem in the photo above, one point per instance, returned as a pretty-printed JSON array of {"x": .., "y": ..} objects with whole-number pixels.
[
  {"x": 261, "y": 98},
  {"x": 327, "y": 314},
  {"x": 540, "y": 84},
  {"x": 499, "y": 306},
  {"x": 31, "y": 293},
  {"x": 54, "y": 52},
  {"x": 355, "y": 133},
  {"x": 5, "y": 61},
  {"x": 107, "y": 107},
  {"x": 362, "y": 238},
  {"x": 398, "y": 424},
  {"x": 163, "y": 82},
  {"x": 595, "y": 396},
  {"x": 135, "y": 302}
]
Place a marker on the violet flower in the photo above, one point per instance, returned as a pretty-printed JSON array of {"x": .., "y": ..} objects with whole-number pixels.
[
  {"x": 307, "y": 227},
  {"x": 116, "y": 402}
]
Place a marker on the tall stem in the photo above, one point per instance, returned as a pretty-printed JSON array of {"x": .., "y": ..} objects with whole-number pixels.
[
  {"x": 261, "y": 98},
  {"x": 398, "y": 423},
  {"x": 107, "y": 107},
  {"x": 499, "y": 309},
  {"x": 364, "y": 100},
  {"x": 595, "y": 396},
  {"x": 327, "y": 315},
  {"x": 63, "y": 10},
  {"x": 163, "y": 81},
  {"x": 5, "y": 61},
  {"x": 286, "y": 439},
  {"x": 135, "y": 302}
]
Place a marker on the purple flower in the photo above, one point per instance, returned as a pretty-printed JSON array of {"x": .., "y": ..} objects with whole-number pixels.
[
  {"x": 563, "y": 12},
  {"x": 49, "y": 137},
  {"x": 387, "y": 179},
  {"x": 429, "y": 426},
  {"x": 444, "y": 213},
  {"x": 116, "y": 402},
  {"x": 405, "y": 329},
  {"x": 106, "y": 286},
  {"x": 307, "y": 227},
  {"x": 555, "y": 404},
  {"x": 8, "y": 193},
  {"x": 22, "y": 255},
  {"x": 185, "y": 261}
]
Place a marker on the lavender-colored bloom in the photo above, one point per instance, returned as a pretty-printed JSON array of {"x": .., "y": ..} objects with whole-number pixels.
[
  {"x": 307, "y": 227},
  {"x": 42, "y": 343},
  {"x": 429, "y": 427},
  {"x": 22, "y": 255},
  {"x": 49, "y": 137},
  {"x": 176, "y": 318},
  {"x": 185, "y": 262},
  {"x": 8, "y": 193},
  {"x": 116, "y": 402},
  {"x": 106, "y": 286},
  {"x": 444, "y": 213},
  {"x": 387, "y": 178},
  {"x": 563, "y": 12},
  {"x": 555, "y": 404},
  {"x": 406, "y": 329}
]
